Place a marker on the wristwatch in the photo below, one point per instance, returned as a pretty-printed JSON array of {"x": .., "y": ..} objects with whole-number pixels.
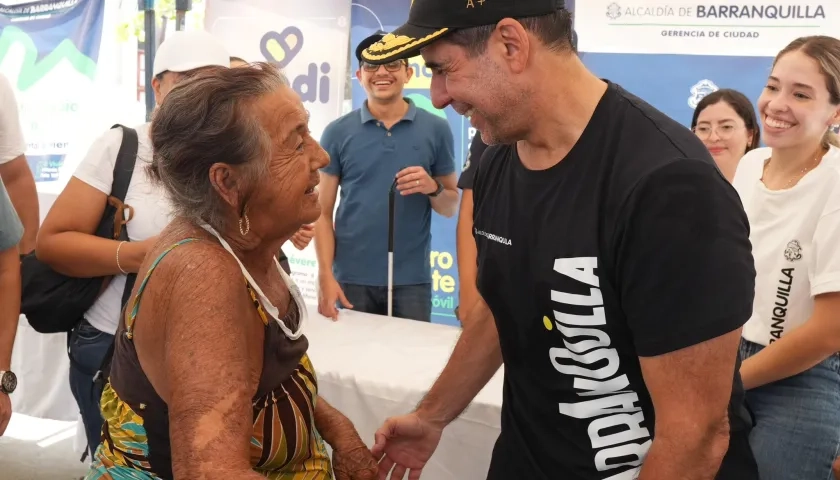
[
  {"x": 439, "y": 189},
  {"x": 8, "y": 382}
]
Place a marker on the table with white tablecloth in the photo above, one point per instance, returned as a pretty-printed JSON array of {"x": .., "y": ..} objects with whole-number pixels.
[{"x": 43, "y": 368}]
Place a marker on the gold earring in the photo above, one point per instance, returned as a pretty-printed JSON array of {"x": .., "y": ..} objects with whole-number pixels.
[{"x": 247, "y": 228}]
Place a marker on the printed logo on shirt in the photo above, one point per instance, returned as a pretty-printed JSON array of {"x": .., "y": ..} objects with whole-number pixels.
[
  {"x": 793, "y": 251},
  {"x": 493, "y": 237},
  {"x": 780, "y": 306},
  {"x": 618, "y": 439}
]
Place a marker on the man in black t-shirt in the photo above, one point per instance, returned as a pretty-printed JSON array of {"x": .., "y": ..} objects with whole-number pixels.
[
  {"x": 614, "y": 265},
  {"x": 465, "y": 243}
]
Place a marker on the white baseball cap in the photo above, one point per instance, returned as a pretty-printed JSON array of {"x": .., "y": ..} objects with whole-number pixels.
[{"x": 187, "y": 50}]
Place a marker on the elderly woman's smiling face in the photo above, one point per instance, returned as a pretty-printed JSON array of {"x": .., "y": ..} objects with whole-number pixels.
[{"x": 286, "y": 197}]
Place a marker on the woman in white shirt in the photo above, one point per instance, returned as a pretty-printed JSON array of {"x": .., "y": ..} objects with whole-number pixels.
[
  {"x": 791, "y": 193},
  {"x": 67, "y": 242}
]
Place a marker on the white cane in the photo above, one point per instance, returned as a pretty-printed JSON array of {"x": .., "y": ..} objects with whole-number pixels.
[{"x": 391, "y": 196}]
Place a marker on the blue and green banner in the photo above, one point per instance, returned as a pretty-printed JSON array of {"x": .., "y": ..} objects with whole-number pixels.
[{"x": 49, "y": 51}]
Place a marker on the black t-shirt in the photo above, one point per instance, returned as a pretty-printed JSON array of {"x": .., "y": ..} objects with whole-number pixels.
[
  {"x": 633, "y": 245},
  {"x": 477, "y": 148}
]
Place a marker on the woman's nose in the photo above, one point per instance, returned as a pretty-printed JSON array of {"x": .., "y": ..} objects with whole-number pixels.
[
  {"x": 320, "y": 159},
  {"x": 777, "y": 104}
]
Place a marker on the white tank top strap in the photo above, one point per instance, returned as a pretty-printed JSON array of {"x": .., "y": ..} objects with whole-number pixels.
[{"x": 270, "y": 309}]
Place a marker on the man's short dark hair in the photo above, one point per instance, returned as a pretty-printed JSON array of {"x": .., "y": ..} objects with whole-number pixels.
[{"x": 553, "y": 30}]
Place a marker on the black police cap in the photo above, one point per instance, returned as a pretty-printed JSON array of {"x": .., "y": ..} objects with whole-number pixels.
[{"x": 431, "y": 20}]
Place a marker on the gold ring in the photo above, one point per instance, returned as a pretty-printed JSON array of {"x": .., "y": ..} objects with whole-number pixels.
[{"x": 418, "y": 182}]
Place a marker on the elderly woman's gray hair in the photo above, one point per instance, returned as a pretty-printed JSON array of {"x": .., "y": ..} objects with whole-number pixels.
[{"x": 210, "y": 119}]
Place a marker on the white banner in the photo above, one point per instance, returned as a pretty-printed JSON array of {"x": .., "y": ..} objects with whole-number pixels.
[
  {"x": 310, "y": 45},
  {"x": 688, "y": 27}
]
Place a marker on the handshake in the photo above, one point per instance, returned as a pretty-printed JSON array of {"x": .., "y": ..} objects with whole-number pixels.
[{"x": 402, "y": 445}]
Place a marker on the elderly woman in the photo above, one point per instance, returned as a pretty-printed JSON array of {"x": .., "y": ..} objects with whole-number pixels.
[{"x": 210, "y": 377}]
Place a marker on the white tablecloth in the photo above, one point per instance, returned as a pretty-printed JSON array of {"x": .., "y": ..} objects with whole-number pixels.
[
  {"x": 371, "y": 367},
  {"x": 42, "y": 367}
]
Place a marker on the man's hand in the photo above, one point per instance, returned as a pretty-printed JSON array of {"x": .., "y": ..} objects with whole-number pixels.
[
  {"x": 405, "y": 443},
  {"x": 412, "y": 180},
  {"x": 302, "y": 237},
  {"x": 5, "y": 412},
  {"x": 330, "y": 292}
]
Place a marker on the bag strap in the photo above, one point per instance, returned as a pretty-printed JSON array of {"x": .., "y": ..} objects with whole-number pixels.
[
  {"x": 123, "y": 170},
  {"x": 124, "y": 166}
]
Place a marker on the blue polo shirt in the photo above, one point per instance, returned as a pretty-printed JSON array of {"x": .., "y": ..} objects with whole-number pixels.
[{"x": 366, "y": 157}]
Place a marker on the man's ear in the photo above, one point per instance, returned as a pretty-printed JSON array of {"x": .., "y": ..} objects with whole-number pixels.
[{"x": 514, "y": 41}]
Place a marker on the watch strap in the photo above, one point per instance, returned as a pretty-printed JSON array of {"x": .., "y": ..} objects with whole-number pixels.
[{"x": 439, "y": 188}]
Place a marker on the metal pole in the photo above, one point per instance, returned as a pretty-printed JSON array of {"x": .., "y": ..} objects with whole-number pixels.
[
  {"x": 181, "y": 9},
  {"x": 149, "y": 49}
]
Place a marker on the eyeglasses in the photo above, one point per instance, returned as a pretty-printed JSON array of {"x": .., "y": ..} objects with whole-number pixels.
[
  {"x": 724, "y": 132},
  {"x": 394, "y": 66}
]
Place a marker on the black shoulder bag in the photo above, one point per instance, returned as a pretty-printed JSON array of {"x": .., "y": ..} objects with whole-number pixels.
[{"x": 55, "y": 303}]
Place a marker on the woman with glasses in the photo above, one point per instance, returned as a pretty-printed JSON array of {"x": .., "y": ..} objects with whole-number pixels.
[{"x": 725, "y": 121}]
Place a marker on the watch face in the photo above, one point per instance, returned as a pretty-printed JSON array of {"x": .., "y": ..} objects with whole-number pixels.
[{"x": 8, "y": 383}]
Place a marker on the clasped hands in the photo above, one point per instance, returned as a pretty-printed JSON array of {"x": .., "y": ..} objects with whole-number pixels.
[{"x": 402, "y": 445}]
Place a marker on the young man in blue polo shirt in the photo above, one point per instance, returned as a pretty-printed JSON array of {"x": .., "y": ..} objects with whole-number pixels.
[{"x": 387, "y": 138}]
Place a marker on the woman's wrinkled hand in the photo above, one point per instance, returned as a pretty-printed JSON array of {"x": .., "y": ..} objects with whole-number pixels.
[{"x": 354, "y": 462}]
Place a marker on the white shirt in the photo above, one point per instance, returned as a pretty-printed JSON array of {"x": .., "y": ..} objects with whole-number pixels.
[
  {"x": 795, "y": 235},
  {"x": 152, "y": 210},
  {"x": 11, "y": 138}
]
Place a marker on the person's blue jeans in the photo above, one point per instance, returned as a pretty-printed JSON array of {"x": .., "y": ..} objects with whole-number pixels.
[
  {"x": 797, "y": 421},
  {"x": 87, "y": 349},
  {"x": 413, "y": 302}
]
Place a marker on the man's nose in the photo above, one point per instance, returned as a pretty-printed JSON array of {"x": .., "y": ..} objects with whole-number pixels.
[{"x": 440, "y": 96}]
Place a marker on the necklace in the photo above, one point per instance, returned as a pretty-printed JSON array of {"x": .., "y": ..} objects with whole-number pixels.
[{"x": 798, "y": 176}]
